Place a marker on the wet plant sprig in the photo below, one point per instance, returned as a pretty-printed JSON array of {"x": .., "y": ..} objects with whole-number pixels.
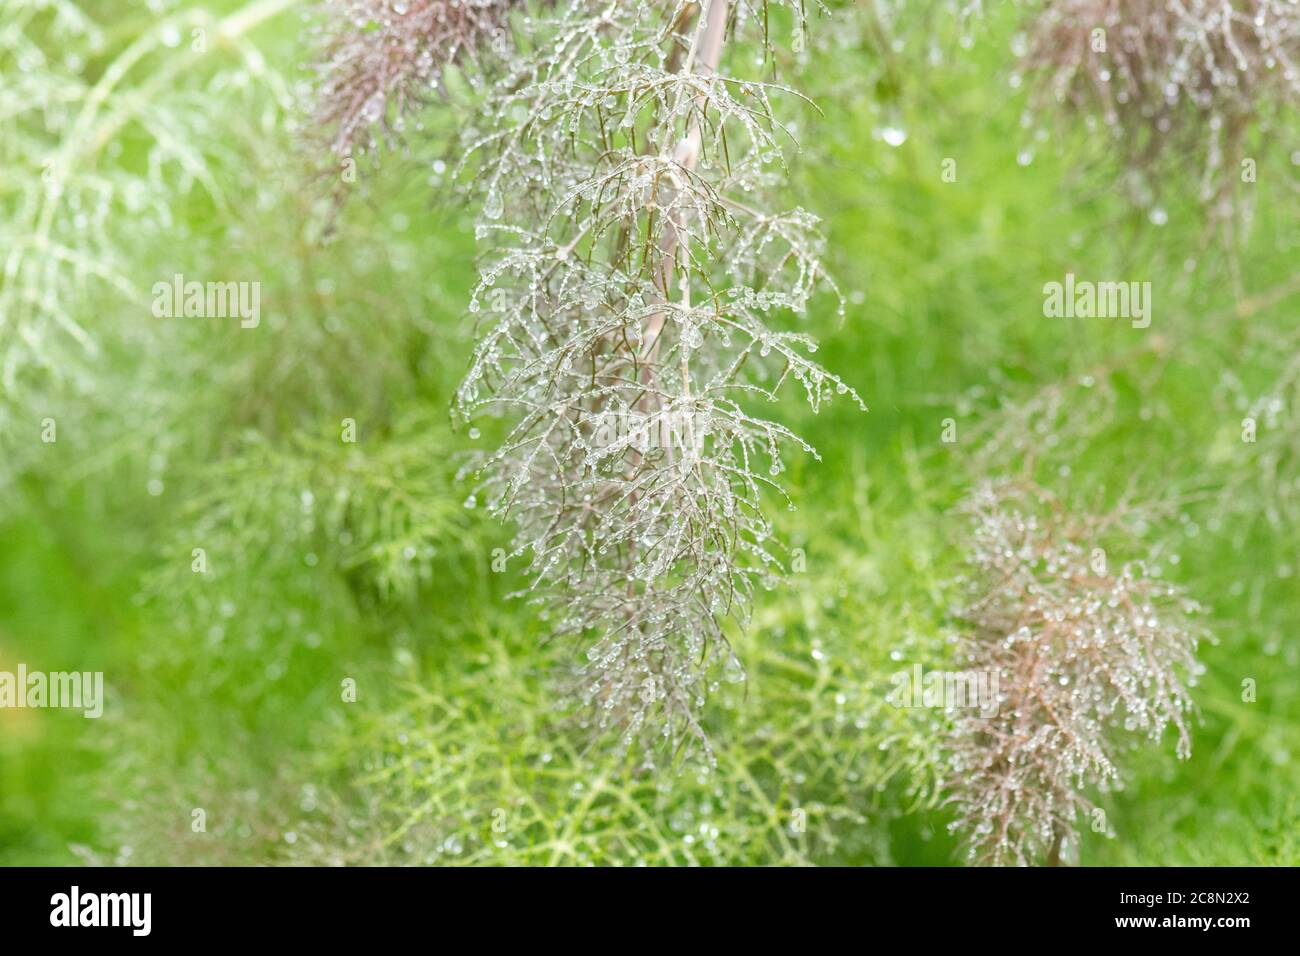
[
  {"x": 629, "y": 275},
  {"x": 1087, "y": 650}
]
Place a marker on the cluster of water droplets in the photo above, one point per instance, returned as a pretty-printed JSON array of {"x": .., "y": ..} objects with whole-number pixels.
[
  {"x": 1168, "y": 81},
  {"x": 626, "y": 280},
  {"x": 1086, "y": 649},
  {"x": 380, "y": 59}
]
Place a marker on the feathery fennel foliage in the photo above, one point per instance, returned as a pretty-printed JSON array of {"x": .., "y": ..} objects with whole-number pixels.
[
  {"x": 628, "y": 273},
  {"x": 107, "y": 137},
  {"x": 1084, "y": 645},
  {"x": 1194, "y": 80},
  {"x": 224, "y": 687}
]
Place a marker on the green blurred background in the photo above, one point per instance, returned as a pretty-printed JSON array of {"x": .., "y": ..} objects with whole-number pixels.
[{"x": 332, "y": 561}]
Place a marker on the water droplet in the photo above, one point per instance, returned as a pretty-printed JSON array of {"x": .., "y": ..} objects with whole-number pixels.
[{"x": 893, "y": 135}]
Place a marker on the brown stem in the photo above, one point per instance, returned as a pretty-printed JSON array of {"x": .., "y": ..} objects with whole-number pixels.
[
  {"x": 1054, "y": 855},
  {"x": 706, "y": 50}
]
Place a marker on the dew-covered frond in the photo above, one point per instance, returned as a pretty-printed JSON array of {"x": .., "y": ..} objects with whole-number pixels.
[
  {"x": 99, "y": 140},
  {"x": 1171, "y": 83},
  {"x": 1086, "y": 645},
  {"x": 631, "y": 297},
  {"x": 380, "y": 60}
]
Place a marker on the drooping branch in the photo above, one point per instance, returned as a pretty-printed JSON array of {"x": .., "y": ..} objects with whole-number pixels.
[
  {"x": 1082, "y": 650},
  {"x": 627, "y": 302}
]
